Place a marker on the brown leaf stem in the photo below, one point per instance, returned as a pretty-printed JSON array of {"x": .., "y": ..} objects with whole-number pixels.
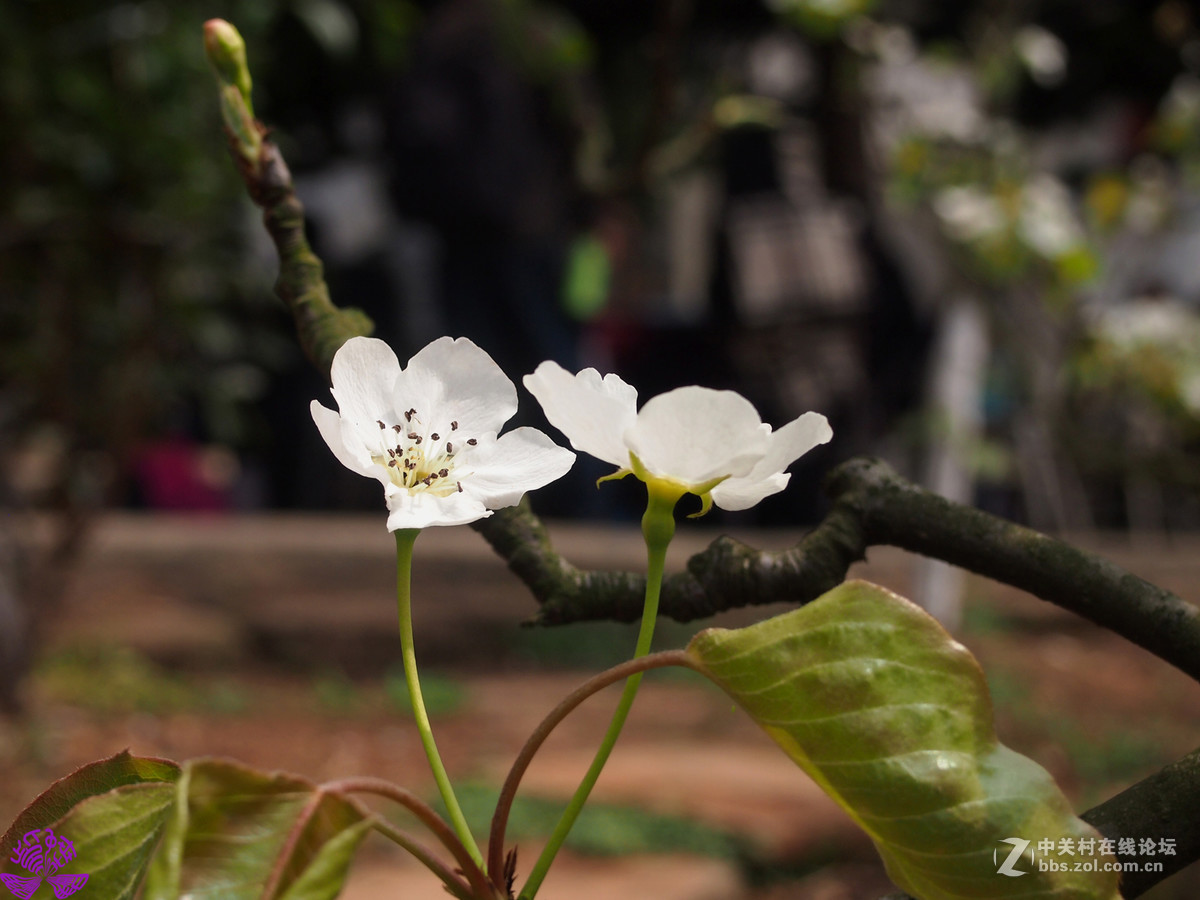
[
  {"x": 565, "y": 707},
  {"x": 481, "y": 887}
]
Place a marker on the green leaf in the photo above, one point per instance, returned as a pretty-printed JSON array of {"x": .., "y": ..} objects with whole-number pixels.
[
  {"x": 113, "y": 811},
  {"x": 233, "y": 826},
  {"x": 892, "y": 718},
  {"x": 327, "y": 870}
]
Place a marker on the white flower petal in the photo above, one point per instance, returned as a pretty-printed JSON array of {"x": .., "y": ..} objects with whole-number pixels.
[
  {"x": 522, "y": 460},
  {"x": 364, "y": 375},
  {"x": 694, "y": 434},
  {"x": 421, "y": 509},
  {"x": 743, "y": 493},
  {"x": 784, "y": 447},
  {"x": 331, "y": 426},
  {"x": 593, "y": 412},
  {"x": 455, "y": 380}
]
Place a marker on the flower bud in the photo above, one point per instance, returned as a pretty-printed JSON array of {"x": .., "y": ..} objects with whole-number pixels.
[{"x": 227, "y": 55}]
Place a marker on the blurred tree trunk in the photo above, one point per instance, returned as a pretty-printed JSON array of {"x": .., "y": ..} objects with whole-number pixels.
[
  {"x": 14, "y": 627},
  {"x": 35, "y": 569},
  {"x": 955, "y": 392},
  {"x": 1038, "y": 333}
]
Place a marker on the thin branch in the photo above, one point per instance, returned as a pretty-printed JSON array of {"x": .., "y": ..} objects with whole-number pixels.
[
  {"x": 301, "y": 283},
  {"x": 320, "y": 326},
  {"x": 568, "y": 704},
  {"x": 896, "y": 512},
  {"x": 726, "y": 575},
  {"x": 872, "y": 506},
  {"x": 1162, "y": 805}
]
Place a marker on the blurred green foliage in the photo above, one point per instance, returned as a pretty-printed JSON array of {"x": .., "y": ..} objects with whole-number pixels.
[
  {"x": 108, "y": 679},
  {"x": 127, "y": 299},
  {"x": 603, "y": 830}
]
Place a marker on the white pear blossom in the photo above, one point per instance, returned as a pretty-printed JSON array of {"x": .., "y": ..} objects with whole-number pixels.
[
  {"x": 708, "y": 442},
  {"x": 1042, "y": 53},
  {"x": 429, "y": 433},
  {"x": 969, "y": 213},
  {"x": 1047, "y": 222}
]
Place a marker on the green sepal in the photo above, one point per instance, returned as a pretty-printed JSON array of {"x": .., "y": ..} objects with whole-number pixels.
[
  {"x": 673, "y": 489},
  {"x": 615, "y": 476},
  {"x": 706, "y": 502}
]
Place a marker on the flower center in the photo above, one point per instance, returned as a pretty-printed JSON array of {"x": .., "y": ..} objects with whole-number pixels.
[{"x": 421, "y": 460}]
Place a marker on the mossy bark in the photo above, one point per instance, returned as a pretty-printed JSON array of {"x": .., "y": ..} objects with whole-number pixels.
[{"x": 321, "y": 327}]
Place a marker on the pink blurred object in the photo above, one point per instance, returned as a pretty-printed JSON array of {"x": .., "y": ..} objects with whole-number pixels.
[{"x": 178, "y": 474}]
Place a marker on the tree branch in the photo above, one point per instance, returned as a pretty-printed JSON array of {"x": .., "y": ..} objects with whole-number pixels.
[
  {"x": 726, "y": 575},
  {"x": 320, "y": 326},
  {"x": 1162, "y": 805},
  {"x": 896, "y": 512},
  {"x": 872, "y": 506}
]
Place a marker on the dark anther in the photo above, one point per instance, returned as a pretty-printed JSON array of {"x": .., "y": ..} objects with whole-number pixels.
[
  {"x": 435, "y": 436},
  {"x": 449, "y": 447},
  {"x": 454, "y": 426},
  {"x": 442, "y": 473},
  {"x": 396, "y": 428},
  {"x": 381, "y": 425},
  {"x": 472, "y": 441}
]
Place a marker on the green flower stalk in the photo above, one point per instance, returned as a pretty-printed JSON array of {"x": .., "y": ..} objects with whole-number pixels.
[
  {"x": 692, "y": 440},
  {"x": 658, "y": 527},
  {"x": 429, "y": 434},
  {"x": 405, "y": 539}
]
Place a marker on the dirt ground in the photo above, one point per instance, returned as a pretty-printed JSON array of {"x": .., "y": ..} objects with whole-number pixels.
[{"x": 272, "y": 640}]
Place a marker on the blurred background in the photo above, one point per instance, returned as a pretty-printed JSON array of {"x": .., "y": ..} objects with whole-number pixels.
[{"x": 968, "y": 233}]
